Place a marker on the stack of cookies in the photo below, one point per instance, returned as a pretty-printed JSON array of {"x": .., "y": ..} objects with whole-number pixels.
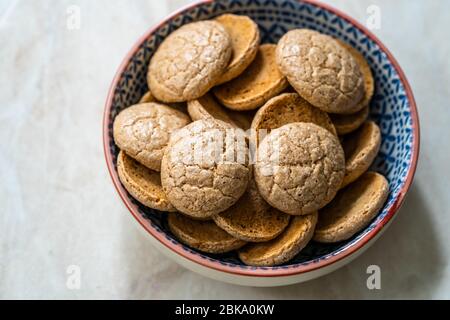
[{"x": 254, "y": 148}]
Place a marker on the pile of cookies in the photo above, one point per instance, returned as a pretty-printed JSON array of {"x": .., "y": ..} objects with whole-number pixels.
[{"x": 255, "y": 148}]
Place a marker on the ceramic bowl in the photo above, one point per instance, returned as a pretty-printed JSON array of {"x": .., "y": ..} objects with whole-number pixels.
[{"x": 392, "y": 107}]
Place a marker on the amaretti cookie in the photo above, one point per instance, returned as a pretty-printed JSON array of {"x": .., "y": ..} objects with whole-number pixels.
[
  {"x": 143, "y": 131},
  {"x": 352, "y": 209},
  {"x": 360, "y": 149},
  {"x": 205, "y": 169},
  {"x": 284, "y": 247},
  {"x": 346, "y": 123},
  {"x": 189, "y": 61},
  {"x": 321, "y": 70},
  {"x": 142, "y": 183},
  {"x": 369, "y": 82},
  {"x": 202, "y": 235},
  {"x": 259, "y": 82},
  {"x": 206, "y": 107},
  {"x": 252, "y": 218},
  {"x": 243, "y": 119},
  {"x": 244, "y": 34},
  {"x": 147, "y": 97},
  {"x": 299, "y": 167},
  {"x": 287, "y": 108}
]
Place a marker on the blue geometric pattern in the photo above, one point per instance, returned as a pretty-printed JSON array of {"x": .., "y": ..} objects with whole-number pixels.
[{"x": 390, "y": 107}]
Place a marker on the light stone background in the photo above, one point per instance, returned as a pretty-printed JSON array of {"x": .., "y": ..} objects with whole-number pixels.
[{"x": 58, "y": 206}]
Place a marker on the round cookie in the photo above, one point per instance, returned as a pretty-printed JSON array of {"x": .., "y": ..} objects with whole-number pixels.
[
  {"x": 206, "y": 107},
  {"x": 243, "y": 119},
  {"x": 189, "y": 61},
  {"x": 251, "y": 218},
  {"x": 205, "y": 169},
  {"x": 202, "y": 235},
  {"x": 143, "y": 131},
  {"x": 360, "y": 149},
  {"x": 321, "y": 70},
  {"x": 299, "y": 167},
  {"x": 244, "y": 34},
  {"x": 142, "y": 183},
  {"x": 352, "y": 209},
  {"x": 259, "y": 82},
  {"x": 346, "y": 123},
  {"x": 147, "y": 97},
  {"x": 287, "y": 108},
  {"x": 283, "y": 248},
  {"x": 369, "y": 82}
]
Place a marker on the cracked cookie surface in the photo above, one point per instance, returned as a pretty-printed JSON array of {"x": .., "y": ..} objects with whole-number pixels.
[
  {"x": 202, "y": 235},
  {"x": 142, "y": 183},
  {"x": 321, "y": 70},
  {"x": 205, "y": 169},
  {"x": 143, "y": 131},
  {"x": 189, "y": 61},
  {"x": 299, "y": 167}
]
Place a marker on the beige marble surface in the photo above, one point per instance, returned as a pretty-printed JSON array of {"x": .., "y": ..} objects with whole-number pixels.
[{"x": 58, "y": 206}]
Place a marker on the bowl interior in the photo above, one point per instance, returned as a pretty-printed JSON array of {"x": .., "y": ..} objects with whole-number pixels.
[{"x": 390, "y": 107}]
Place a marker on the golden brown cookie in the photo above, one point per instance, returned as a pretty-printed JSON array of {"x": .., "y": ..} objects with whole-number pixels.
[
  {"x": 352, "y": 209},
  {"x": 369, "y": 82},
  {"x": 283, "y": 248},
  {"x": 321, "y": 70},
  {"x": 244, "y": 34},
  {"x": 142, "y": 183},
  {"x": 287, "y": 108},
  {"x": 206, "y": 107},
  {"x": 243, "y": 119},
  {"x": 299, "y": 167},
  {"x": 259, "y": 82},
  {"x": 189, "y": 61},
  {"x": 147, "y": 97},
  {"x": 202, "y": 235},
  {"x": 143, "y": 131},
  {"x": 205, "y": 169},
  {"x": 346, "y": 123},
  {"x": 251, "y": 218},
  {"x": 360, "y": 148}
]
